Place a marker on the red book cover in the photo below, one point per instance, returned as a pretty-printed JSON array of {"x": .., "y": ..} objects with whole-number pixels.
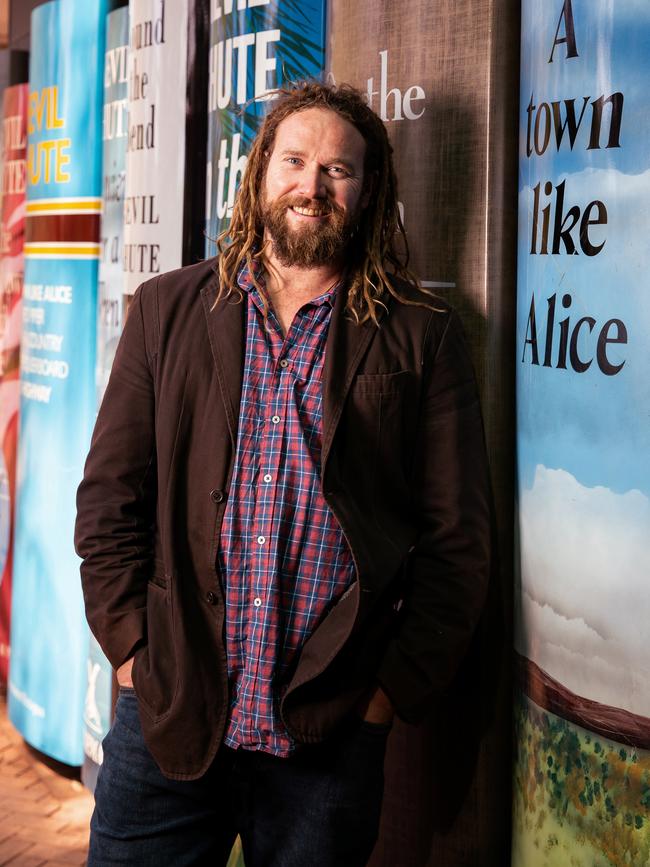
[{"x": 12, "y": 232}]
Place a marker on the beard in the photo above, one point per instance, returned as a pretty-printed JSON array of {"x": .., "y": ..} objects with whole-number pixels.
[{"x": 308, "y": 246}]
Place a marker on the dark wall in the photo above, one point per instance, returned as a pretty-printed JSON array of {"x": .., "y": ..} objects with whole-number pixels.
[
  {"x": 13, "y": 58},
  {"x": 19, "y": 15}
]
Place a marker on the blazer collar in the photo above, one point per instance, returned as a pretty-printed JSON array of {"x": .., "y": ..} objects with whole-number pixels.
[
  {"x": 346, "y": 345},
  {"x": 227, "y": 332}
]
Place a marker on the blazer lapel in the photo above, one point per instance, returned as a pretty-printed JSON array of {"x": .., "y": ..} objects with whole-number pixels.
[
  {"x": 227, "y": 331},
  {"x": 346, "y": 345}
]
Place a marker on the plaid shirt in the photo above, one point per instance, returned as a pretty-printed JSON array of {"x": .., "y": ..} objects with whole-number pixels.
[{"x": 283, "y": 558}]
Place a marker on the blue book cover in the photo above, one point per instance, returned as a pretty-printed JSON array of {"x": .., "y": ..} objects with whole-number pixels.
[{"x": 47, "y": 678}]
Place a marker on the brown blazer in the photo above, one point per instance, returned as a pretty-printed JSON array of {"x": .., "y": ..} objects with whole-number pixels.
[{"x": 403, "y": 470}]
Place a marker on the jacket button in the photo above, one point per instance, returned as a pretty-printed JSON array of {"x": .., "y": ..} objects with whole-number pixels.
[
  {"x": 211, "y": 597},
  {"x": 217, "y": 496}
]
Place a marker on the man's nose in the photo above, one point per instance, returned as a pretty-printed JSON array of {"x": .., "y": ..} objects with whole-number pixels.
[{"x": 312, "y": 183}]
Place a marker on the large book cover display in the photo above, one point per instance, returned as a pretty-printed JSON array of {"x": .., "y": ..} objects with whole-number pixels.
[
  {"x": 155, "y": 146},
  {"x": 582, "y": 772},
  {"x": 57, "y": 370},
  {"x": 166, "y": 142},
  {"x": 12, "y": 233}
]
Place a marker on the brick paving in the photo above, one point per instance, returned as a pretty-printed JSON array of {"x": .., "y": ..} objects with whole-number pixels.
[{"x": 43, "y": 815}]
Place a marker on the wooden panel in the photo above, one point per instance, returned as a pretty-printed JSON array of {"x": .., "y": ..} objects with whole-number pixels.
[{"x": 4, "y": 23}]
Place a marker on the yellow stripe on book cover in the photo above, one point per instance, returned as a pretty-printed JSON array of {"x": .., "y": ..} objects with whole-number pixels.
[
  {"x": 76, "y": 205},
  {"x": 62, "y": 250}
]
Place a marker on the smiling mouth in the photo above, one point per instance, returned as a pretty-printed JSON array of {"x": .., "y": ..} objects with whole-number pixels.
[{"x": 310, "y": 212}]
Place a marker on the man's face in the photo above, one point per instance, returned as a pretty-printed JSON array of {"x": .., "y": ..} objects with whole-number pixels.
[{"x": 313, "y": 188}]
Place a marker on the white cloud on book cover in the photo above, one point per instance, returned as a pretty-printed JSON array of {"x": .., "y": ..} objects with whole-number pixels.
[{"x": 585, "y": 600}]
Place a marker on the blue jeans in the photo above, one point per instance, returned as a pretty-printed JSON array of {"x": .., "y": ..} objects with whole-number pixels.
[{"x": 318, "y": 808}]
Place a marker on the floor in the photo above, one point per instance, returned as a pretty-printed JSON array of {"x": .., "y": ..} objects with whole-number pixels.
[{"x": 44, "y": 815}]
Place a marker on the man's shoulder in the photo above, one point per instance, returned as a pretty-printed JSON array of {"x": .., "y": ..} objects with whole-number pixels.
[
  {"x": 414, "y": 305},
  {"x": 184, "y": 283},
  {"x": 421, "y": 319}
]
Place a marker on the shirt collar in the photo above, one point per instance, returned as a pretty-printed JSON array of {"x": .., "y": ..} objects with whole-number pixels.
[{"x": 246, "y": 284}]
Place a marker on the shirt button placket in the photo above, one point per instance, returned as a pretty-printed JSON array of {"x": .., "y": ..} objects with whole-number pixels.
[{"x": 272, "y": 441}]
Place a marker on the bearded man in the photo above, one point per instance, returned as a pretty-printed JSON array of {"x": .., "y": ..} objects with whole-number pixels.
[{"x": 284, "y": 519}]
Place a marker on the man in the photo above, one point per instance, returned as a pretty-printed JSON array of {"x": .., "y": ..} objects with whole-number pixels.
[{"x": 284, "y": 519}]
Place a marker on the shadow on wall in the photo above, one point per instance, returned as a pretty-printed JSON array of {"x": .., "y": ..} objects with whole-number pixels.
[
  {"x": 431, "y": 768},
  {"x": 451, "y": 774},
  {"x": 445, "y": 193}
]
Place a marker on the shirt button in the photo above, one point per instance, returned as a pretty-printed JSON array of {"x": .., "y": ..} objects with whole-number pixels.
[
  {"x": 261, "y": 539},
  {"x": 211, "y": 597},
  {"x": 284, "y": 363},
  {"x": 268, "y": 477},
  {"x": 257, "y": 602},
  {"x": 217, "y": 496},
  {"x": 275, "y": 419}
]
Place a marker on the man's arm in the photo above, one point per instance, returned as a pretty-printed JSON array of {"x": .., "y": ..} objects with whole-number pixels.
[
  {"x": 116, "y": 499},
  {"x": 449, "y": 566}
]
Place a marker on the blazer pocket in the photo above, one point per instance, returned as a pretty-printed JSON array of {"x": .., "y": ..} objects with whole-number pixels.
[
  {"x": 375, "y": 418},
  {"x": 155, "y": 671},
  {"x": 384, "y": 384},
  {"x": 382, "y": 412}
]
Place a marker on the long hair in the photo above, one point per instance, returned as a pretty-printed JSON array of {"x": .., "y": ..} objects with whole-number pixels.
[{"x": 379, "y": 244}]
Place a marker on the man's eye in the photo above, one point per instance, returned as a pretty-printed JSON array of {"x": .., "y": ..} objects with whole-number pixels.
[
  {"x": 337, "y": 171},
  {"x": 293, "y": 161}
]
